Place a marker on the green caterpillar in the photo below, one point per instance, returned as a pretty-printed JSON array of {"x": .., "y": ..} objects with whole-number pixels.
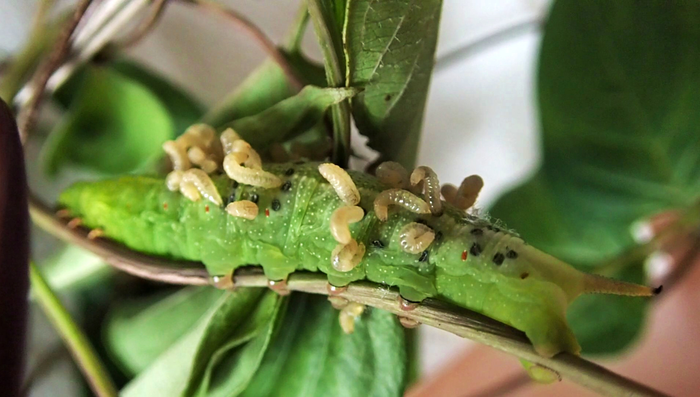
[{"x": 469, "y": 262}]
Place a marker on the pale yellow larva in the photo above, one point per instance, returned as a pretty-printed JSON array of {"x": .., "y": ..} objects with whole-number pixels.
[
  {"x": 341, "y": 219},
  {"x": 431, "y": 187},
  {"x": 416, "y": 237},
  {"x": 341, "y": 182},
  {"x": 203, "y": 183},
  {"x": 400, "y": 197},
  {"x": 249, "y": 176},
  {"x": 243, "y": 209}
]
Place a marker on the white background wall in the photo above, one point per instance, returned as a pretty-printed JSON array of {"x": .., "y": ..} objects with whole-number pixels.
[{"x": 481, "y": 116}]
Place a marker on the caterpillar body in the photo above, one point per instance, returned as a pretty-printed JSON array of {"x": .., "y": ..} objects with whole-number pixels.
[{"x": 462, "y": 259}]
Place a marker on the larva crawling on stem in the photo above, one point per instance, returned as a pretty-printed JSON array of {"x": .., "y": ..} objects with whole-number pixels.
[{"x": 456, "y": 258}]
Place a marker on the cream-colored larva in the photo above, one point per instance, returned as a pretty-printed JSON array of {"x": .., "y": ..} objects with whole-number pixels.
[
  {"x": 468, "y": 192},
  {"x": 400, "y": 197},
  {"x": 341, "y": 220},
  {"x": 249, "y": 176},
  {"x": 172, "y": 181},
  {"x": 393, "y": 174},
  {"x": 228, "y": 137},
  {"x": 348, "y": 315},
  {"x": 341, "y": 181},
  {"x": 346, "y": 257},
  {"x": 431, "y": 187},
  {"x": 449, "y": 192},
  {"x": 203, "y": 183},
  {"x": 190, "y": 191},
  {"x": 202, "y": 136},
  {"x": 416, "y": 237},
  {"x": 177, "y": 154},
  {"x": 198, "y": 157},
  {"x": 252, "y": 158},
  {"x": 243, "y": 209}
]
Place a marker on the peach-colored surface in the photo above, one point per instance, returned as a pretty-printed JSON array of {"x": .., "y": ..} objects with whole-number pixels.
[{"x": 667, "y": 357}]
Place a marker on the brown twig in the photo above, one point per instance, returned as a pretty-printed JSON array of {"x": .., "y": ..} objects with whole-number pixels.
[
  {"x": 144, "y": 27},
  {"x": 248, "y": 27},
  {"x": 28, "y": 114}
]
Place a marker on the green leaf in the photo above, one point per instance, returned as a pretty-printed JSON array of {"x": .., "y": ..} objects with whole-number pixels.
[
  {"x": 619, "y": 97},
  {"x": 390, "y": 49},
  {"x": 225, "y": 369},
  {"x": 113, "y": 126},
  {"x": 311, "y": 356},
  {"x": 183, "y": 109},
  {"x": 139, "y": 331},
  {"x": 290, "y": 117},
  {"x": 265, "y": 87}
]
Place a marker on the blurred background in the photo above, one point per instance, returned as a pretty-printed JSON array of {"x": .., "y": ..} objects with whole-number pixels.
[{"x": 482, "y": 91}]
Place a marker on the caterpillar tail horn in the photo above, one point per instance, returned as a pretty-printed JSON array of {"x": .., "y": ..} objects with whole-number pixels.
[{"x": 596, "y": 284}]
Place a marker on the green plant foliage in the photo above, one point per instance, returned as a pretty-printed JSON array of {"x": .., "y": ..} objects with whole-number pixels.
[
  {"x": 137, "y": 332},
  {"x": 114, "y": 125},
  {"x": 290, "y": 117},
  {"x": 619, "y": 94},
  {"x": 262, "y": 89},
  {"x": 236, "y": 318},
  {"x": 311, "y": 356},
  {"x": 74, "y": 267},
  {"x": 389, "y": 51}
]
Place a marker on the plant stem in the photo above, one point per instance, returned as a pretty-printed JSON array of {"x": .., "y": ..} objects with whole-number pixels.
[
  {"x": 296, "y": 34},
  {"x": 458, "y": 321},
  {"x": 335, "y": 76},
  {"x": 75, "y": 339}
]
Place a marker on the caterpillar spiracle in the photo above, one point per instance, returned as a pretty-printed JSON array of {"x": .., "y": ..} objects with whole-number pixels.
[{"x": 448, "y": 255}]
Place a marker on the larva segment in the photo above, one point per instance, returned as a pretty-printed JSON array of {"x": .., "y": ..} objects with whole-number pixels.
[
  {"x": 173, "y": 180},
  {"x": 449, "y": 192},
  {"x": 199, "y": 158},
  {"x": 431, "y": 187},
  {"x": 346, "y": 257},
  {"x": 201, "y": 181},
  {"x": 177, "y": 154},
  {"x": 249, "y": 176},
  {"x": 243, "y": 209},
  {"x": 252, "y": 158},
  {"x": 228, "y": 137},
  {"x": 190, "y": 191},
  {"x": 392, "y": 174},
  {"x": 341, "y": 182},
  {"x": 400, "y": 197},
  {"x": 416, "y": 237},
  {"x": 340, "y": 221},
  {"x": 468, "y": 192},
  {"x": 348, "y": 315}
]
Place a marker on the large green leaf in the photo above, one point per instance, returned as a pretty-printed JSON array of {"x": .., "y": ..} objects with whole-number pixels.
[
  {"x": 226, "y": 330},
  {"x": 289, "y": 117},
  {"x": 311, "y": 356},
  {"x": 114, "y": 125},
  {"x": 262, "y": 89},
  {"x": 390, "y": 49},
  {"x": 137, "y": 332},
  {"x": 619, "y": 94}
]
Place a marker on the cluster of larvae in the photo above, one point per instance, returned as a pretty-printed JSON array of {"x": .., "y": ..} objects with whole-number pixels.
[{"x": 199, "y": 147}]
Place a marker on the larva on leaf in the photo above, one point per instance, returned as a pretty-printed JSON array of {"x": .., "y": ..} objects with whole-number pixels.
[{"x": 456, "y": 258}]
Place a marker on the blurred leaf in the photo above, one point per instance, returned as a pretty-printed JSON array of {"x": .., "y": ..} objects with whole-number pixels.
[
  {"x": 262, "y": 89},
  {"x": 312, "y": 356},
  {"x": 139, "y": 331},
  {"x": 289, "y": 117},
  {"x": 236, "y": 318},
  {"x": 390, "y": 50},
  {"x": 183, "y": 109},
  {"x": 72, "y": 267},
  {"x": 619, "y": 93},
  {"x": 114, "y": 125}
]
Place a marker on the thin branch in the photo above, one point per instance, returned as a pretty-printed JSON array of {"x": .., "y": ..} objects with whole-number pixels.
[
  {"x": 298, "y": 29},
  {"x": 28, "y": 115},
  {"x": 256, "y": 34},
  {"x": 76, "y": 341},
  {"x": 486, "y": 41},
  {"x": 438, "y": 314},
  {"x": 145, "y": 26}
]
